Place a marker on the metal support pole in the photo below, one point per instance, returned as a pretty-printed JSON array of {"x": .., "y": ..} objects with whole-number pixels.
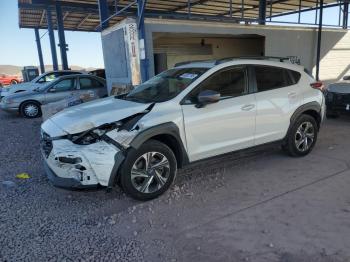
[
  {"x": 52, "y": 39},
  {"x": 231, "y": 8},
  {"x": 299, "y": 14},
  {"x": 61, "y": 38},
  {"x": 242, "y": 9},
  {"x": 189, "y": 8},
  {"x": 262, "y": 12},
  {"x": 141, "y": 4},
  {"x": 316, "y": 12},
  {"x": 345, "y": 14},
  {"x": 104, "y": 13},
  {"x": 271, "y": 3},
  {"x": 319, "y": 42},
  {"x": 40, "y": 53}
]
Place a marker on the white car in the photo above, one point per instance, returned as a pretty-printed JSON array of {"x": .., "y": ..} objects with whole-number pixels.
[
  {"x": 189, "y": 113},
  {"x": 35, "y": 83}
]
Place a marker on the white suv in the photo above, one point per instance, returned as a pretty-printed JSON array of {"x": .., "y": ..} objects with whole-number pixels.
[{"x": 194, "y": 111}]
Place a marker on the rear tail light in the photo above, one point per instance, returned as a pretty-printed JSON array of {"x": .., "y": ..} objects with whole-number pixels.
[{"x": 318, "y": 85}]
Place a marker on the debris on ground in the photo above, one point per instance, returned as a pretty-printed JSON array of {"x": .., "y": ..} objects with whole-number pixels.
[{"x": 23, "y": 176}]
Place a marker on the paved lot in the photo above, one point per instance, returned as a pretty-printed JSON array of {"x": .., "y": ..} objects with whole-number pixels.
[{"x": 262, "y": 206}]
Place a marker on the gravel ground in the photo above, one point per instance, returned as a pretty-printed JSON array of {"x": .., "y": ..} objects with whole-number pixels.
[{"x": 260, "y": 206}]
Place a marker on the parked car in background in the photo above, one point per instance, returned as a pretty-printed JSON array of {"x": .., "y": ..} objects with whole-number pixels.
[
  {"x": 98, "y": 72},
  {"x": 36, "y": 82},
  {"x": 189, "y": 113},
  {"x": 338, "y": 98},
  {"x": 28, "y": 103},
  {"x": 9, "y": 80}
]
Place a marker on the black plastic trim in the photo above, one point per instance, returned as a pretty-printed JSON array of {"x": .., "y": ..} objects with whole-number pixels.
[
  {"x": 306, "y": 107},
  {"x": 163, "y": 129},
  {"x": 118, "y": 160}
]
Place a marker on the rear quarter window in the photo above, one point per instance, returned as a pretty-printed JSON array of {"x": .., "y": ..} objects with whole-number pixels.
[{"x": 270, "y": 77}]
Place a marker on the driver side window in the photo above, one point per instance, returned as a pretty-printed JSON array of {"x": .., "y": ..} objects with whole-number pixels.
[
  {"x": 65, "y": 85},
  {"x": 229, "y": 82}
]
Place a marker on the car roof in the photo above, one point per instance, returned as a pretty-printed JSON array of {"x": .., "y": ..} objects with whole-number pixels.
[{"x": 240, "y": 61}]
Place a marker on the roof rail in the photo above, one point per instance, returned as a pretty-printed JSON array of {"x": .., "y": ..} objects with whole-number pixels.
[
  {"x": 293, "y": 60},
  {"x": 194, "y": 61}
]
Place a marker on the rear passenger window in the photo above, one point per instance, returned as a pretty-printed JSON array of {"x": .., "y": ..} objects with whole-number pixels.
[
  {"x": 88, "y": 83},
  {"x": 269, "y": 77}
]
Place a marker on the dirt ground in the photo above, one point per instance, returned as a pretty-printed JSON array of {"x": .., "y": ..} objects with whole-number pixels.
[{"x": 259, "y": 206}]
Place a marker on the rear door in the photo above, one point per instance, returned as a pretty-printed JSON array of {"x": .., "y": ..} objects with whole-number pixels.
[
  {"x": 87, "y": 84},
  {"x": 62, "y": 89},
  {"x": 225, "y": 126},
  {"x": 277, "y": 97}
]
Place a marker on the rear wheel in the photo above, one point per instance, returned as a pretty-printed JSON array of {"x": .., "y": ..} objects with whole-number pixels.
[
  {"x": 302, "y": 136},
  {"x": 149, "y": 171},
  {"x": 30, "y": 109},
  {"x": 14, "y": 82}
]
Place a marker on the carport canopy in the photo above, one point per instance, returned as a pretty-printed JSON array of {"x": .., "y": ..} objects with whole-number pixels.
[{"x": 83, "y": 15}]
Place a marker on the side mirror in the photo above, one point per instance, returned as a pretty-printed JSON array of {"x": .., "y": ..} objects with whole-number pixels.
[
  {"x": 346, "y": 77},
  {"x": 207, "y": 97}
]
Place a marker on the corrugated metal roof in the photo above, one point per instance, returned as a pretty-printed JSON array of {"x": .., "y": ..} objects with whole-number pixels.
[{"x": 83, "y": 15}]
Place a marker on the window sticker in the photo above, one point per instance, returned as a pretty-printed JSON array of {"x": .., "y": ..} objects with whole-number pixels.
[{"x": 188, "y": 76}]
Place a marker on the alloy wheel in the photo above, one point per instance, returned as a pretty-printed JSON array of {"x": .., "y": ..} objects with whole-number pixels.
[
  {"x": 150, "y": 172},
  {"x": 31, "y": 110},
  {"x": 304, "y": 137}
]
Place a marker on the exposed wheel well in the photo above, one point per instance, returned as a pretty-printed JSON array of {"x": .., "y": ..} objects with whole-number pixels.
[
  {"x": 315, "y": 115},
  {"x": 173, "y": 144}
]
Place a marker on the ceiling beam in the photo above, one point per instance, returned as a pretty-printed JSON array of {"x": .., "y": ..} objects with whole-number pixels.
[{"x": 83, "y": 20}]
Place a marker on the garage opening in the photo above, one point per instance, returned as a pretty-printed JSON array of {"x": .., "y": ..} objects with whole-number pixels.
[{"x": 172, "y": 48}]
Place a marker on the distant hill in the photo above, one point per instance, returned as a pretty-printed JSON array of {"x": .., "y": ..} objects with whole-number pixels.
[{"x": 17, "y": 70}]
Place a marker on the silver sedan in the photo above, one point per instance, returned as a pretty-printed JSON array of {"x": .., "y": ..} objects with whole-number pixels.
[{"x": 28, "y": 103}]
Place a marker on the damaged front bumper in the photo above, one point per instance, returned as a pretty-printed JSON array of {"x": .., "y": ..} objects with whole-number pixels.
[{"x": 81, "y": 166}]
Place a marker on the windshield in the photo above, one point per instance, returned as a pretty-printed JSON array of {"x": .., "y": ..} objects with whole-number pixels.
[{"x": 165, "y": 86}]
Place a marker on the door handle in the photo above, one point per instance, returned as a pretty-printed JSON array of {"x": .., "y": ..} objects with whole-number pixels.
[{"x": 247, "y": 107}]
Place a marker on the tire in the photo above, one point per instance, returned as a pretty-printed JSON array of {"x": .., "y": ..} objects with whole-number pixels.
[
  {"x": 30, "y": 109},
  {"x": 305, "y": 127},
  {"x": 148, "y": 183},
  {"x": 14, "y": 82}
]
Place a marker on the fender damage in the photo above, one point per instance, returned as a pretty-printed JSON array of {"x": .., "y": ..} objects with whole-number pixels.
[{"x": 91, "y": 157}]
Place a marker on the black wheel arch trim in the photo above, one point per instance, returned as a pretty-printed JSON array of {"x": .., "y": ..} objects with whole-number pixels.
[
  {"x": 168, "y": 128},
  {"x": 314, "y": 106},
  {"x": 162, "y": 129}
]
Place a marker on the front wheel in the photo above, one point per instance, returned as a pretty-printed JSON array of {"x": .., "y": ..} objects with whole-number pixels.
[
  {"x": 30, "y": 109},
  {"x": 14, "y": 82},
  {"x": 149, "y": 171},
  {"x": 302, "y": 136}
]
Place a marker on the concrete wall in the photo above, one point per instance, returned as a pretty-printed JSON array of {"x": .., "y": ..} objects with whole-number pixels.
[
  {"x": 279, "y": 41},
  {"x": 218, "y": 47}
]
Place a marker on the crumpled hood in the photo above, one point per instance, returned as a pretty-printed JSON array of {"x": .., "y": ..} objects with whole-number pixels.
[
  {"x": 93, "y": 114},
  {"x": 28, "y": 86}
]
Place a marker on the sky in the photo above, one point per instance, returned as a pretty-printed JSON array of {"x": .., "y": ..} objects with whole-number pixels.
[{"x": 18, "y": 46}]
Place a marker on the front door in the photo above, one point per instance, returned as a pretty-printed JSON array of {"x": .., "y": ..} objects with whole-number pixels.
[
  {"x": 61, "y": 90},
  {"x": 225, "y": 126}
]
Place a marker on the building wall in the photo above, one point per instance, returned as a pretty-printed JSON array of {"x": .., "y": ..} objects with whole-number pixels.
[
  {"x": 279, "y": 41},
  {"x": 202, "y": 48}
]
